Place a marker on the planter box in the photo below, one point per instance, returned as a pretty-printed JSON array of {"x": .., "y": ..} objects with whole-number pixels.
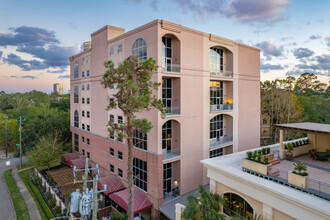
[
  {"x": 304, "y": 149},
  {"x": 255, "y": 166},
  {"x": 301, "y": 181}
]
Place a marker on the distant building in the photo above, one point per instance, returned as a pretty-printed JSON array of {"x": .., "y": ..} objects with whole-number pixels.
[
  {"x": 264, "y": 129},
  {"x": 58, "y": 88}
]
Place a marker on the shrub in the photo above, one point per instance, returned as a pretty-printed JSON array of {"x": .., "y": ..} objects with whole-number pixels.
[
  {"x": 36, "y": 180},
  {"x": 249, "y": 155},
  {"x": 300, "y": 168},
  {"x": 307, "y": 141},
  {"x": 58, "y": 210},
  {"x": 259, "y": 152},
  {"x": 267, "y": 150},
  {"x": 259, "y": 158},
  {"x": 52, "y": 202},
  {"x": 266, "y": 160},
  {"x": 64, "y": 211},
  {"x": 263, "y": 150}
]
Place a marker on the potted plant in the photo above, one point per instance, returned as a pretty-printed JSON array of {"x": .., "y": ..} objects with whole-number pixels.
[
  {"x": 299, "y": 175},
  {"x": 289, "y": 150}
]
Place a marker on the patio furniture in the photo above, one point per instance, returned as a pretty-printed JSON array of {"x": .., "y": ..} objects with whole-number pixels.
[
  {"x": 322, "y": 156},
  {"x": 313, "y": 154}
]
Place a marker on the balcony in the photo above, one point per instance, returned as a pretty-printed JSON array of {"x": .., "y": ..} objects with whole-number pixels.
[
  {"x": 172, "y": 111},
  {"x": 171, "y": 68},
  {"x": 222, "y": 74},
  {"x": 171, "y": 155},
  {"x": 221, "y": 107},
  {"x": 223, "y": 141}
]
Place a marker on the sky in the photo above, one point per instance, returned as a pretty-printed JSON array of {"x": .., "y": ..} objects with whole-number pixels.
[{"x": 37, "y": 37}]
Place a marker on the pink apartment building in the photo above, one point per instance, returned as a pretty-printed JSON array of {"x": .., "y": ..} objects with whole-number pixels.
[{"x": 210, "y": 85}]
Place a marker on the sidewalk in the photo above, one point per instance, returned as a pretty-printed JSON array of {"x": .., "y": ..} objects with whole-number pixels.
[{"x": 31, "y": 206}]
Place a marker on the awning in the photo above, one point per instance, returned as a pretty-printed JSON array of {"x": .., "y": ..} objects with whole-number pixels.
[
  {"x": 79, "y": 163},
  {"x": 70, "y": 156},
  {"x": 112, "y": 182},
  {"x": 141, "y": 201}
]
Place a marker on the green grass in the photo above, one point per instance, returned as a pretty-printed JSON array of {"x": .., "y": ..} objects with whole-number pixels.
[
  {"x": 43, "y": 209},
  {"x": 18, "y": 201}
]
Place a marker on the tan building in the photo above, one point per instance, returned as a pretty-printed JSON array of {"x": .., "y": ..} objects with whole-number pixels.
[
  {"x": 265, "y": 130},
  {"x": 210, "y": 85},
  {"x": 272, "y": 198}
]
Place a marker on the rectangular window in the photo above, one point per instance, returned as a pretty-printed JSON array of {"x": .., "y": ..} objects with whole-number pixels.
[
  {"x": 88, "y": 115},
  {"x": 88, "y": 128},
  {"x": 75, "y": 70},
  {"x": 111, "y": 51},
  {"x": 167, "y": 93},
  {"x": 83, "y": 126},
  {"x": 75, "y": 94},
  {"x": 87, "y": 59},
  {"x": 83, "y": 152},
  {"x": 76, "y": 142},
  {"x": 83, "y": 100},
  {"x": 120, "y": 48},
  {"x": 120, "y": 155},
  {"x": 112, "y": 152},
  {"x": 216, "y": 153},
  {"x": 83, "y": 113},
  {"x": 140, "y": 140},
  {"x": 82, "y": 61},
  {"x": 120, "y": 119},
  {"x": 120, "y": 172},
  {"x": 88, "y": 155},
  {"x": 112, "y": 168},
  {"x": 88, "y": 141},
  {"x": 88, "y": 100},
  {"x": 112, "y": 119},
  {"x": 112, "y": 86},
  {"x": 83, "y": 74},
  {"x": 82, "y": 87},
  {"x": 140, "y": 173},
  {"x": 83, "y": 139},
  {"x": 167, "y": 174},
  {"x": 87, "y": 73},
  {"x": 87, "y": 86}
]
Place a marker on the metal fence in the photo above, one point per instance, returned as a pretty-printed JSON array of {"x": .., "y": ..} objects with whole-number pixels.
[
  {"x": 171, "y": 68},
  {"x": 221, "y": 107},
  {"x": 174, "y": 110},
  {"x": 224, "y": 73},
  {"x": 221, "y": 141}
]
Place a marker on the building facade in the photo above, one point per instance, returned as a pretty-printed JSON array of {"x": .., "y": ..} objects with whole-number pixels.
[
  {"x": 210, "y": 88},
  {"x": 58, "y": 88}
]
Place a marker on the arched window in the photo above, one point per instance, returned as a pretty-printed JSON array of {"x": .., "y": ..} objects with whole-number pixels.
[
  {"x": 76, "y": 119},
  {"x": 167, "y": 135},
  {"x": 236, "y": 205},
  {"x": 139, "y": 48},
  {"x": 216, "y": 127}
]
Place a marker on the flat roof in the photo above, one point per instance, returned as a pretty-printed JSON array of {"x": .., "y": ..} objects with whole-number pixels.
[
  {"x": 306, "y": 127},
  {"x": 231, "y": 165}
]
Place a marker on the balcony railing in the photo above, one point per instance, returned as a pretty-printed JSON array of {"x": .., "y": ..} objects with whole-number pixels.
[
  {"x": 172, "y": 111},
  {"x": 171, "y": 68},
  {"x": 171, "y": 154},
  {"x": 222, "y": 141},
  {"x": 224, "y": 73},
  {"x": 221, "y": 107}
]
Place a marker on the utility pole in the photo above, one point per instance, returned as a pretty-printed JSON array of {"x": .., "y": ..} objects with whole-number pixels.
[
  {"x": 20, "y": 140},
  {"x": 95, "y": 200},
  {"x": 6, "y": 118}
]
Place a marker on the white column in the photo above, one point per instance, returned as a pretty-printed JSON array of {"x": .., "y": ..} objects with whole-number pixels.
[
  {"x": 178, "y": 211},
  {"x": 267, "y": 212},
  {"x": 213, "y": 188},
  {"x": 282, "y": 150}
]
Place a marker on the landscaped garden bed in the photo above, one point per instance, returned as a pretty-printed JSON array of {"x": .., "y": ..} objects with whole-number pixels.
[
  {"x": 258, "y": 160},
  {"x": 299, "y": 147}
]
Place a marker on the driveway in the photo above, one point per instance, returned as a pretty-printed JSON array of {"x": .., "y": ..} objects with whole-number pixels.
[{"x": 6, "y": 207}]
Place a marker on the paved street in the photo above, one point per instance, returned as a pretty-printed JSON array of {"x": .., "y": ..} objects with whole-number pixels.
[{"x": 6, "y": 208}]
